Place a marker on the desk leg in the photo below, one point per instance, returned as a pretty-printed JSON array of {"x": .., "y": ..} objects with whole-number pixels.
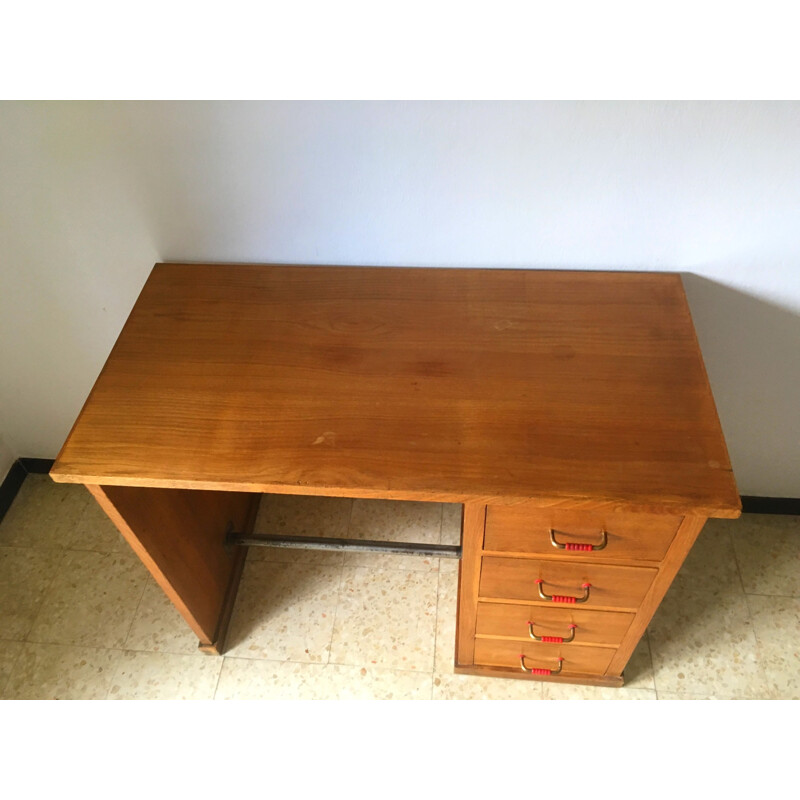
[{"x": 179, "y": 536}]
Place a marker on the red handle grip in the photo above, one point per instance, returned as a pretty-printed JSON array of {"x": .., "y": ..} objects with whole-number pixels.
[
  {"x": 562, "y": 598},
  {"x": 553, "y": 639},
  {"x": 540, "y": 670}
]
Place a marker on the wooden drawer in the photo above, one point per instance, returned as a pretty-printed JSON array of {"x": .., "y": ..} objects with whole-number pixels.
[
  {"x": 592, "y": 627},
  {"x": 581, "y": 660},
  {"x": 525, "y": 529},
  {"x": 611, "y": 587}
]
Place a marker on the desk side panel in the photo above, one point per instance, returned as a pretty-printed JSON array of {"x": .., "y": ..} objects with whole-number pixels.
[{"x": 179, "y": 536}]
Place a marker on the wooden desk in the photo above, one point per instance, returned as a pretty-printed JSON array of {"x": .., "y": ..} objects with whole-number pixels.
[{"x": 571, "y": 406}]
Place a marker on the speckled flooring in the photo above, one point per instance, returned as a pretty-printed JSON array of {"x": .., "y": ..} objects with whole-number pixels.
[{"x": 81, "y": 618}]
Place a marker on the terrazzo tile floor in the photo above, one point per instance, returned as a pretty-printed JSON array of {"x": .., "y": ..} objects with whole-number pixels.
[{"x": 81, "y": 618}]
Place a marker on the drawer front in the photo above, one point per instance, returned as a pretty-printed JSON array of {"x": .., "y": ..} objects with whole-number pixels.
[
  {"x": 582, "y": 660},
  {"x": 591, "y": 627},
  {"x": 611, "y": 587},
  {"x": 524, "y": 529}
]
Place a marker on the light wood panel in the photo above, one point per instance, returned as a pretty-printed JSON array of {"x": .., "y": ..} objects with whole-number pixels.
[
  {"x": 526, "y": 529},
  {"x": 460, "y": 385},
  {"x": 473, "y": 520},
  {"x": 503, "y": 653},
  {"x": 506, "y": 620},
  {"x": 515, "y": 673},
  {"x": 611, "y": 587}
]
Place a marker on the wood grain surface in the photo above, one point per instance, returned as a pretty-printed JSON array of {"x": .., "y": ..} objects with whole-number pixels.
[{"x": 576, "y": 388}]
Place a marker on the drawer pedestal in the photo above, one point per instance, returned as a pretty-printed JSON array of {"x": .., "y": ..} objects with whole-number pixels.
[{"x": 578, "y": 612}]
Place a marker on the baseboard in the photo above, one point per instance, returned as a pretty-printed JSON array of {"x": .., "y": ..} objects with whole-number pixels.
[
  {"x": 771, "y": 505},
  {"x": 10, "y": 487},
  {"x": 37, "y": 466},
  {"x": 41, "y": 466},
  {"x": 20, "y": 470}
]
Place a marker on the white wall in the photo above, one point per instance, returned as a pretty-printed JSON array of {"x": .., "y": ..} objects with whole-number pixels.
[{"x": 92, "y": 194}]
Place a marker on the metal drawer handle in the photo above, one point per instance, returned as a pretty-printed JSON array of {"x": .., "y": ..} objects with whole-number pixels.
[
  {"x": 552, "y": 639},
  {"x": 578, "y": 546},
  {"x": 564, "y": 598},
  {"x": 539, "y": 670}
]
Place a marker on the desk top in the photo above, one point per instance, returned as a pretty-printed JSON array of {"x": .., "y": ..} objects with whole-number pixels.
[{"x": 571, "y": 388}]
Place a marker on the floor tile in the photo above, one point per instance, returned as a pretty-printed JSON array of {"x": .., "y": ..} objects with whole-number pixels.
[
  {"x": 776, "y": 621},
  {"x": 43, "y": 514},
  {"x": 92, "y": 600},
  {"x": 9, "y": 653},
  {"x": 446, "y": 622},
  {"x": 95, "y": 620},
  {"x": 285, "y": 612},
  {"x": 703, "y": 643},
  {"x": 395, "y": 521},
  {"x": 566, "y": 691},
  {"x": 159, "y": 627},
  {"x": 95, "y": 531},
  {"x": 768, "y": 551},
  {"x": 398, "y": 561},
  {"x": 451, "y": 523},
  {"x": 639, "y": 682},
  {"x": 386, "y": 618},
  {"x": 296, "y": 555},
  {"x": 451, "y": 533},
  {"x": 303, "y": 515},
  {"x": 293, "y": 515},
  {"x": 244, "y": 679},
  {"x": 473, "y": 687},
  {"x": 25, "y": 576},
  {"x": 708, "y": 696},
  {"x": 448, "y": 565},
  {"x": 61, "y": 672},
  {"x": 165, "y": 676},
  {"x": 638, "y": 672},
  {"x": 711, "y": 563}
]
